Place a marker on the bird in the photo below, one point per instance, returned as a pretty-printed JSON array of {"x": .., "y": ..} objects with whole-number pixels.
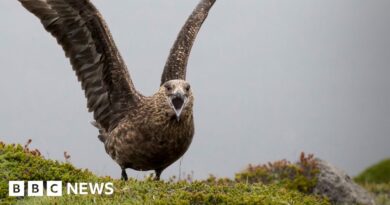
[{"x": 139, "y": 132}]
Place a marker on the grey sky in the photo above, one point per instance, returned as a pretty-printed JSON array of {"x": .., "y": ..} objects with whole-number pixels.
[{"x": 271, "y": 79}]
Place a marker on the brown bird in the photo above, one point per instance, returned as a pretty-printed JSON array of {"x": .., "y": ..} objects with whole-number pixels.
[{"x": 138, "y": 132}]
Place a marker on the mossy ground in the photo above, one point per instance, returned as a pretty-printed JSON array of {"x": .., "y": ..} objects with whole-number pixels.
[
  {"x": 151, "y": 192},
  {"x": 376, "y": 179},
  {"x": 21, "y": 163},
  {"x": 300, "y": 176},
  {"x": 378, "y": 173},
  {"x": 381, "y": 192}
]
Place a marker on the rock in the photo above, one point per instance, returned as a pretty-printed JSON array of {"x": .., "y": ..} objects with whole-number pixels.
[{"x": 338, "y": 187}]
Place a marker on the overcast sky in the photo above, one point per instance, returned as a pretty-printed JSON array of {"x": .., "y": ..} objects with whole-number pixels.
[{"x": 271, "y": 79}]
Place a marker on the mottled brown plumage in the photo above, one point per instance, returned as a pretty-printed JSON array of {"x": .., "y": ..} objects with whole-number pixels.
[{"x": 139, "y": 132}]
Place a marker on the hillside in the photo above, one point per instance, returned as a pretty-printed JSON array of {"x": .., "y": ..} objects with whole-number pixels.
[
  {"x": 18, "y": 162},
  {"x": 377, "y": 173},
  {"x": 376, "y": 179}
]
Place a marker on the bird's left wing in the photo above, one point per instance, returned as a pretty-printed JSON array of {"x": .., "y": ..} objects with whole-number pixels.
[
  {"x": 81, "y": 31},
  {"x": 176, "y": 65}
]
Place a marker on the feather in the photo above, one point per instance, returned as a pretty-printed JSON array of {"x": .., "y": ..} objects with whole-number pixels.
[
  {"x": 79, "y": 29},
  {"x": 176, "y": 65}
]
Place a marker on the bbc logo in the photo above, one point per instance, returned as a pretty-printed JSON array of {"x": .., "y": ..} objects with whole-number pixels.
[
  {"x": 54, "y": 188},
  {"x": 34, "y": 188}
]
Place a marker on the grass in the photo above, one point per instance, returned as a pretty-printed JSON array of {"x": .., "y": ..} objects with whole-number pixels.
[
  {"x": 300, "y": 176},
  {"x": 151, "y": 192},
  {"x": 20, "y": 163},
  {"x": 376, "y": 179},
  {"x": 378, "y": 173},
  {"x": 381, "y": 192}
]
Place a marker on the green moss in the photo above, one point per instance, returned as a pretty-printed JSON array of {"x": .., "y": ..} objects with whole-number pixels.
[
  {"x": 380, "y": 191},
  {"x": 299, "y": 176},
  {"x": 151, "y": 192},
  {"x": 378, "y": 173},
  {"x": 20, "y": 163},
  {"x": 376, "y": 179}
]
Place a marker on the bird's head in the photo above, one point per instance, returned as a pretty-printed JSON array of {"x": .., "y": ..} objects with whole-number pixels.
[{"x": 178, "y": 96}]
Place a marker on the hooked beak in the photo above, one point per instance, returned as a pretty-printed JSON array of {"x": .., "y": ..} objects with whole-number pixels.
[{"x": 177, "y": 102}]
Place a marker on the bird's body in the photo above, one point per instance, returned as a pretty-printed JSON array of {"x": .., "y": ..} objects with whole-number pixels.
[
  {"x": 152, "y": 126},
  {"x": 138, "y": 132}
]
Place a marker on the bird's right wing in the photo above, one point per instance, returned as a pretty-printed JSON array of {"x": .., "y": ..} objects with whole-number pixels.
[
  {"x": 176, "y": 65},
  {"x": 80, "y": 30}
]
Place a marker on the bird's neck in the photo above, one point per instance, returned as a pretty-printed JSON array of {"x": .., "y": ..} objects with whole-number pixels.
[{"x": 156, "y": 114}]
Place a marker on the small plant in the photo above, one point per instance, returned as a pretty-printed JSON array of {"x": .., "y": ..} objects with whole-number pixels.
[
  {"x": 299, "y": 176},
  {"x": 66, "y": 156}
]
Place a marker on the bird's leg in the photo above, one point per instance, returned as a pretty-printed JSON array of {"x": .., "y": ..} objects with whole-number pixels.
[
  {"x": 124, "y": 175},
  {"x": 158, "y": 173}
]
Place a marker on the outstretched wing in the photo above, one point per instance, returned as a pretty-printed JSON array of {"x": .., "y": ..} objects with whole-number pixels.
[
  {"x": 80, "y": 30},
  {"x": 176, "y": 65}
]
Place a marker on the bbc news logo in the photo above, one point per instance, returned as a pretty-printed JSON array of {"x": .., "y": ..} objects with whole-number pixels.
[{"x": 54, "y": 188}]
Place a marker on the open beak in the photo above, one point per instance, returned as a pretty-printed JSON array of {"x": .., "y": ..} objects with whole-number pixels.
[{"x": 177, "y": 102}]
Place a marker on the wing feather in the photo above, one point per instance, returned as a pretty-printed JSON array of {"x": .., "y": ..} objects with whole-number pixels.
[
  {"x": 176, "y": 65},
  {"x": 81, "y": 31}
]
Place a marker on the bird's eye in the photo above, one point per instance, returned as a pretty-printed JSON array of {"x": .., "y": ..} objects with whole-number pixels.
[
  {"x": 168, "y": 87},
  {"x": 188, "y": 87}
]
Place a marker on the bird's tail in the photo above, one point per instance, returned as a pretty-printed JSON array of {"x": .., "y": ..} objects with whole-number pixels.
[{"x": 102, "y": 133}]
